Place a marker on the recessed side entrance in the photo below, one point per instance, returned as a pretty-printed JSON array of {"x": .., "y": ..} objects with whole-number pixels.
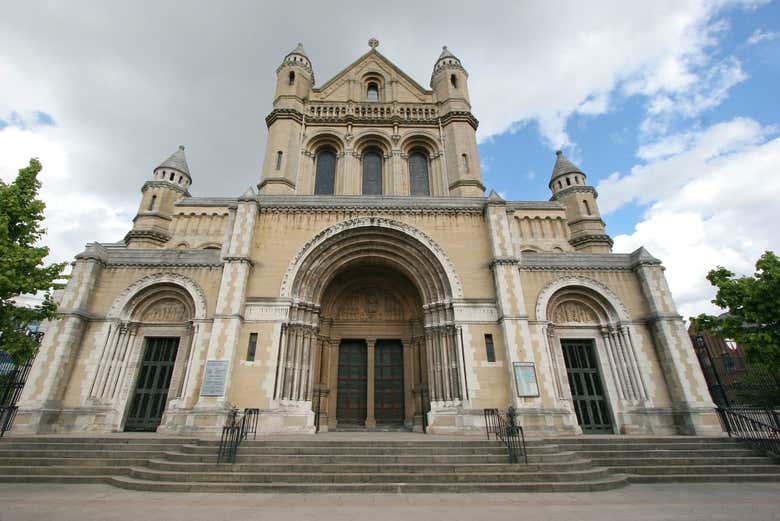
[
  {"x": 587, "y": 391},
  {"x": 352, "y": 374},
  {"x": 154, "y": 380},
  {"x": 389, "y": 382}
]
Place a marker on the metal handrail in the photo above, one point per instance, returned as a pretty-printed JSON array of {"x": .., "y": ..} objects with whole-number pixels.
[
  {"x": 505, "y": 428},
  {"x": 238, "y": 428},
  {"x": 757, "y": 426}
]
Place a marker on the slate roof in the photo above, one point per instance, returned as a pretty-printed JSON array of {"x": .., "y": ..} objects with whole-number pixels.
[
  {"x": 177, "y": 161},
  {"x": 563, "y": 166}
]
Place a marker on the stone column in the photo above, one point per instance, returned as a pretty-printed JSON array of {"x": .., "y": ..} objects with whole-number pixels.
[
  {"x": 370, "y": 419},
  {"x": 509, "y": 292},
  {"x": 226, "y": 327},
  {"x": 41, "y": 400},
  {"x": 691, "y": 402}
]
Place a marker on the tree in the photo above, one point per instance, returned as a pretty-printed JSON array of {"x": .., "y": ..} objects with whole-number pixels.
[
  {"x": 753, "y": 321},
  {"x": 22, "y": 268}
]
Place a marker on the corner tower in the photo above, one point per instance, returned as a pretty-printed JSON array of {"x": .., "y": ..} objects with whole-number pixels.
[
  {"x": 449, "y": 82},
  {"x": 170, "y": 182},
  {"x": 294, "y": 82},
  {"x": 569, "y": 187}
]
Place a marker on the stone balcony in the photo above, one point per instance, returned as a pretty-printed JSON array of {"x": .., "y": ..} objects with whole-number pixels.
[{"x": 374, "y": 112}]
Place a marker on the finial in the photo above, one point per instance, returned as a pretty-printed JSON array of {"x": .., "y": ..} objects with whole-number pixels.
[
  {"x": 181, "y": 147},
  {"x": 373, "y": 43},
  {"x": 558, "y": 152},
  {"x": 443, "y": 47}
]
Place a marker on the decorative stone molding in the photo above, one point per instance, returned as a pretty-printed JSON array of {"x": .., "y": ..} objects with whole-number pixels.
[
  {"x": 372, "y": 222},
  {"x": 559, "y": 261},
  {"x": 463, "y": 116},
  {"x": 118, "y": 255},
  {"x": 573, "y": 189},
  {"x": 149, "y": 235},
  {"x": 118, "y": 309},
  {"x": 283, "y": 114},
  {"x": 601, "y": 289},
  {"x": 166, "y": 185},
  {"x": 504, "y": 261},
  {"x": 364, "y": 203},
  {"x": 592, "y": 238}
]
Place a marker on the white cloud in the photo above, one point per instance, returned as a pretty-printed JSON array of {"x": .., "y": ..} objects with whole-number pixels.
[
  {"x": 760, "y": 35},
  {"x": 712, "y": 204}
]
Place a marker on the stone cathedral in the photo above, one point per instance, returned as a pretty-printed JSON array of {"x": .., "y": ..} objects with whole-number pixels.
[{"x": 367, "y": 283}]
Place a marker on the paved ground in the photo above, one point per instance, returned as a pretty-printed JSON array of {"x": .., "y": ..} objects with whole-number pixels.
[{"x": 708, "y": 502}]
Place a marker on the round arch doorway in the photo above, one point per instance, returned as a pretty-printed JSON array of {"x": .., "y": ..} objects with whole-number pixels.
[{"x": 375, "y": 366}]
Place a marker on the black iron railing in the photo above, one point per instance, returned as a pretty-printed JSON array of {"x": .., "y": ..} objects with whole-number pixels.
[
  {"x": 238, "y": 428},
  {"x": 757, "y": 426},
  {"x": 504, "y": 427},
  {"x": 12, "y": 379},
  {"x": 319, "y": 392}
]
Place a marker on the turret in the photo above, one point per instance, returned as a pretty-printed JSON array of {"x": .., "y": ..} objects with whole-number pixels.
[
  {"x": 170, "y": 182},
  {"x": 294, "y": 81},
  {"x": 449, "y": 82},
  {"x": 569, "y": 187}
]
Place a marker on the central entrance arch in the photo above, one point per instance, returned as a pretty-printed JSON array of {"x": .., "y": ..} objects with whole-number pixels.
[{"x": 376, "y": 294}]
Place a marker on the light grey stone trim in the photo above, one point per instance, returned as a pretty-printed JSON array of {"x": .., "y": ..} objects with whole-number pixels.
[
  {"x": 575, "y": 188},
  {"x": 167, "y": 185},
  {"x": 226, "y": 202},
  {"x": 112, "y": 255},
  {"x": 512, "y": 206},
  {"x": 536, "y": 261}
]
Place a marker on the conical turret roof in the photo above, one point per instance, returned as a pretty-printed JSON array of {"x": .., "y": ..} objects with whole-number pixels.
[
  {"x": 177, "y": 161},
  {"x": 445, "y": 53},
  {"x": 563, "y": 166},
  {"x": 298, "y": 50}
]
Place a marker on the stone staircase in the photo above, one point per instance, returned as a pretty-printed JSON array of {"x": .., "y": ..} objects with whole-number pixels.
[
  {"x": 303, "y": 464},
  {"x": 377, "y": 462},
  {"x": 674, "y": 458}
]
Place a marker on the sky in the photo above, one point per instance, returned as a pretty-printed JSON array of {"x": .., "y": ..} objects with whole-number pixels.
[{"x": 670, "y": 107}]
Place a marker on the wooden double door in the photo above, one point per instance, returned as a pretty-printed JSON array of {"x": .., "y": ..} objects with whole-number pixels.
[
  {"x": 154, "y": 380},
  {"x": 386, "y": 380},
  {"x": 587, "y": 390}
]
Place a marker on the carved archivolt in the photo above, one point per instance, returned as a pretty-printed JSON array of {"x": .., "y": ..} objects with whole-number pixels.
[
  {"x": 412, "y": 234},
  {"x": 121, "y": 308},
  {"x": 617, "y": 312}
]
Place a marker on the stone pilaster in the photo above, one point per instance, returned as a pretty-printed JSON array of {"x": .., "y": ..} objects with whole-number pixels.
[
  {"x": 223, "y": 341},
  {"x": 41, "y": 400},
  {"x": 693, "y": 407},
  {"x": 509, "y": 292}
]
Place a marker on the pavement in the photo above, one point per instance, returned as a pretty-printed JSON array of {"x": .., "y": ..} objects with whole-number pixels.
[{"x": 706, "y": 501}]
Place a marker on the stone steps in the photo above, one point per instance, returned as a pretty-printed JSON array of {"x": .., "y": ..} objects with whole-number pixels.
[{"x": 365, "y": 464}]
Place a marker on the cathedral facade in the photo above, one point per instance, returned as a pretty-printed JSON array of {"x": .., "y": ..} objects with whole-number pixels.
[{"x": 368, "y": 283}]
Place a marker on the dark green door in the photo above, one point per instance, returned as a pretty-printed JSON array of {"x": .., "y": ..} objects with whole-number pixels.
[
  {"x": 587, "y": 392},
  {"x": 151, "y": 390},
  {"x": 351, "y": 399},
  {"x": 388, "y": 382}
]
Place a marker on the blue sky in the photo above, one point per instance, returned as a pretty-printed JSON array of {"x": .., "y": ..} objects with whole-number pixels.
[{"x": 670, "y": 106}]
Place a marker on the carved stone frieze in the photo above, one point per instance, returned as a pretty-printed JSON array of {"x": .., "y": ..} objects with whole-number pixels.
[{"x": 573, "y": 312}]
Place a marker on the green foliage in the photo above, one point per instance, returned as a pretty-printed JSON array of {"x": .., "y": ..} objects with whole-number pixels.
[
  {"x": 22, "y": 270},
  {"x": 753, "y": 321}
]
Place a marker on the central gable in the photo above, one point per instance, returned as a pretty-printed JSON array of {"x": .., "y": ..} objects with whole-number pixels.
[{"x": 350, "y": 83}]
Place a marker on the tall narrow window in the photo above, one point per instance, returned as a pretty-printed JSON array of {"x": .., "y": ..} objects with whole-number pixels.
[
  {"x": 279, "y": 160},
  {"x": 372, "y": 92},
  {"x": 151, "y": 203},
  {"x": 454, "y": 81},
  {"x": 568, "y": 181},
  {"x": 465, "y": 159},
  {"x": 291, "y": 78},
  {"x": 251, "y": 348},
  {"x": 418, "y": 174},
  {"x": 372, "y": 172},
  {"x": 587, "y": 207},
  {"x": 172, "y": 176},
  {"x": 490, "y": 350},
  {"x": 325, "y": 177}
]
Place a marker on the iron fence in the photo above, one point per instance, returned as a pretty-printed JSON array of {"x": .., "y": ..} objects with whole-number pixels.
[
  {"x": 238, "y": 428},
  {"x": 757, "y": 426},
  {"x": 504, "y": 427},
  {"x": 12, "y": 379}
]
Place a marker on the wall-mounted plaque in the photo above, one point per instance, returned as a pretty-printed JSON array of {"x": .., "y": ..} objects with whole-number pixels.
[
  {"x": 214, "y": 378},
  {"x": 525, "y": 379}
]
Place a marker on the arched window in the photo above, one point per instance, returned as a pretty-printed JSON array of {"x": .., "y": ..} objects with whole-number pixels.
[
  {"x": 568, "y": 181},
  {"x": 454, "y": 81},
  {"x": 372, "y": 92},
  {"x": 465, "y": 159},
  {"x": 172, "y": 175},
  {"x": 291, "y": 78},
  {"x": 587, "y": 207},
  {"x": 418, "y": 173},
  {"x": 325, "y": 178},
  {"x": 279, "y": 160},
  {"x": 151, "y": 203},
  {"x": 372, "y": 172}
]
